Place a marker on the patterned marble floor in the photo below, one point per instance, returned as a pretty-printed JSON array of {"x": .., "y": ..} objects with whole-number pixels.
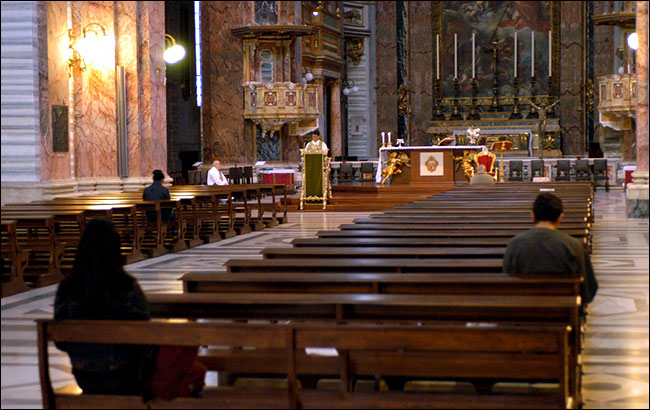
[{"x": 616, "y": 346}]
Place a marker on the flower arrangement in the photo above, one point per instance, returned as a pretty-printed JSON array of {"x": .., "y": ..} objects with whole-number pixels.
[{"x": 473, "y": 134}]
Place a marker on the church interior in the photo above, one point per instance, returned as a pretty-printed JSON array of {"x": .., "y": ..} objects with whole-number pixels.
[{"x": 350, "y": 254}]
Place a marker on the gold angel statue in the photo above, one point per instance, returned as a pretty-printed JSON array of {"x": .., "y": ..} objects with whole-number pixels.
[{"x": 395, "y": 161}]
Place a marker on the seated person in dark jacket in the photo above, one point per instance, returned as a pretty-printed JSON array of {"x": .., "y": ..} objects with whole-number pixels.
[
  {"x": 546, "y": 250},
  {"x": 99, "y": 288},
  {"x": 155, "y": 192}
]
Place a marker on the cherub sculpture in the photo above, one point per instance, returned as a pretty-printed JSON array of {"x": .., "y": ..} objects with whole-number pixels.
[{"x": 395, "y": 161}]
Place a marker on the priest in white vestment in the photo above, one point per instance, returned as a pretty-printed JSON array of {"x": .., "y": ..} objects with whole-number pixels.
[{"x": 316, "y": 144}]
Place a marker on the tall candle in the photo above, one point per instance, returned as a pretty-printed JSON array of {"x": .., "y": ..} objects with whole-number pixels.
[
  {"x": 515, "y": 68},
  {"x": 455, "y": 56},
  {"x": 550, "y": 70},
  {"x": 389, "y": 137},
  {"x": 437, "y": 57},
  {"x": 383, "y": 136},
  {"x": 532, "y": 66},
  {"x": 473, "y": 55}
]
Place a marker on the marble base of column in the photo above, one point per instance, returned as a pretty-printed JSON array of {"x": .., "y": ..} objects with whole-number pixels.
[{"x": 637, "y": 195}]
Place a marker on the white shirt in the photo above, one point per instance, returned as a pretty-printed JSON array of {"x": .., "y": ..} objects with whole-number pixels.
[
  {"x": 318, "y": 146},
  {"x": 216, "y": 177}
]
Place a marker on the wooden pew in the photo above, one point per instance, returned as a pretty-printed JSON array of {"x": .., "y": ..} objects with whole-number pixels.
[
  {"x": 380, "y": 283},
  {"x": 14, "y": 261},
  {"x": 360, "y": 265},
  {"x": 35, "y": 233},
  {"x": 383, "y": 252},
  {"x": 432, "y": 351},
  {"x": 403, "y": 242}
]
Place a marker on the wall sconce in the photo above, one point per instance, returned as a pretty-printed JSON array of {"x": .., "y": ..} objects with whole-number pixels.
[
  {"x": 175, "y": 52},
  {"x": 94, "y": 47},
  {"x": 633, "y": 41},
  {"x": 308, "y": 77},
  {"x": 350, "y": 88}
]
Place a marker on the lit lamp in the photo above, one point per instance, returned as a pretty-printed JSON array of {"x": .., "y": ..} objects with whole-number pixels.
[
  {"x": 633, "y": 41},
  {"x": 175, "y": 52},
  {"x": 95, "y": 47}
]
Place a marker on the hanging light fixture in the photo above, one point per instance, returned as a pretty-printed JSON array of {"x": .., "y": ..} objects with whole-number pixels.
[
  {"x": 94, "y": 47},
  {"x": 175, "y": 52}
]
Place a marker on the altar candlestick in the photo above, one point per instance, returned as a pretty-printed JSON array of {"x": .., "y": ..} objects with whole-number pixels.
[
  {"x": 473, "y": 55},
  {"x": 455, "y": 56},
  {"x": 515, "y": 67},
  {"x": 550, "y": 70},
  {"x": 389, "y": 137},
  {"x": 532, "y": 66},
  {"x": 383, "y": 136},
  {"x": 437, "y": 57}
]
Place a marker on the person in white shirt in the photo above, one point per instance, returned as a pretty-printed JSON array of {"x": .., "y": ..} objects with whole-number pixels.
[
  {"x": 215, "y": 176},
  {"x": 316, "y": 145}
]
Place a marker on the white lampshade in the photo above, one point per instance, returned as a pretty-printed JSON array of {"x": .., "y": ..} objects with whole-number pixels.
[
  {"x": 174, "y": 54},
  {"x": 355, "y": 89},
  {"x": 346, "y": 91},
  {"x": 633, "y": 41},
  {"x": 309, "y": 76}
]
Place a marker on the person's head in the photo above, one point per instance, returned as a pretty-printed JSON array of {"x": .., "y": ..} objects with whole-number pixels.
[
  {"x": 547, "y": 208},
  {"x": 98, "y": 266},
  {"x": 158, "y": 175},
  {"x": 480, "y": 169},
  {"x": 217, "y": 164},
  {"x": 315, "y": 135}
]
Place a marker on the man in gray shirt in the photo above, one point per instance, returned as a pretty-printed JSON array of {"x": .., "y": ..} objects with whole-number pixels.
[{"x": 545, "y": 250}]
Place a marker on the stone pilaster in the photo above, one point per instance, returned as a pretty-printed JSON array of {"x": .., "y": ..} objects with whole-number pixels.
[{"x": 637, "y": 192}]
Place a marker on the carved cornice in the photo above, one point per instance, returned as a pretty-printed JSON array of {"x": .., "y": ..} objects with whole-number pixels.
[{"x": 291, "y": 30}]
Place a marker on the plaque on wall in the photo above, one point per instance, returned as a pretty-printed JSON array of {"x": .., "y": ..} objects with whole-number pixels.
[
  {"x": 60, "y": 128},
  {"x": 431, "y": 164}
]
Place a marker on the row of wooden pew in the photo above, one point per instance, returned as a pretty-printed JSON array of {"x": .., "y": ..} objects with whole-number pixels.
[
  {"x": 39, "y": 239},
  {"x": 391, "y": 305}
]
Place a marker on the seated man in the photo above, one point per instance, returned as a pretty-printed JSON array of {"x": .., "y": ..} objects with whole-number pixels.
[
  {"x": 215, "y": 176},
  {"x": 545, "y": 250},
  {"x": 155, "y": 192},
  {"x": 481, "y": 177}
]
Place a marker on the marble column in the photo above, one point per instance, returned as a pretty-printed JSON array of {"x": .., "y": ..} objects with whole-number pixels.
[
  {"x": 335, "y": 120},
  {"x": 637, "y": 192}
]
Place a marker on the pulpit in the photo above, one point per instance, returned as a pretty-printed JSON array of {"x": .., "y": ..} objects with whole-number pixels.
[{"x": 315, "y": 178}]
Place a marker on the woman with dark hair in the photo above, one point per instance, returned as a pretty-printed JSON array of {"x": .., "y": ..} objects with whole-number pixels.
[{"x": 99, "y": 288}]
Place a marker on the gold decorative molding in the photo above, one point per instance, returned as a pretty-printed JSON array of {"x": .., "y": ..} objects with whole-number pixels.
[
  {"x": 403, "y": 100},
  {"x": 354, "y": 48},
  {"x": 394, "y": 163}
]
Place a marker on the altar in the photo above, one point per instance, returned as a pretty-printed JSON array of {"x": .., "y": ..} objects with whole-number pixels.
[{"x": 427, "y": 164}]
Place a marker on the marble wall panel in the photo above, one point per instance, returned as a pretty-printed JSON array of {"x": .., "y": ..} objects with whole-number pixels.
[
  {"x": 126, "y": 34},
  {"x": 157, "y": 79},
  {"x": 144, "y": 89},
  {"x": 386, "y": 53},
  {"x": 336, "y": 120},
  {"x": 58, "y": 86},
  {"x": 45, "y": 129},
  {"x": 95, "y": 111},
  {"x": 571, "y": 77},
  {"x": 421, "y": 49},
  {"x": 642, "y": 87},
  {"x": 224, "y": 134}
]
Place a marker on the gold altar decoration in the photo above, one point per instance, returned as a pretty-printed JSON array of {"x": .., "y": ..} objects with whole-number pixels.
[
  {"x": 393, "y": 164},
  {"x": 326, "y": 185},
  {"x": 464, "y": 160},
  {"x": 431, "y": 163},
  {"x": 501, "y": 147}
]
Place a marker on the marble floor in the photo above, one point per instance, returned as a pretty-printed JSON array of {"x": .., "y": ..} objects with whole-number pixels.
[{"x": 616, "y": 345}]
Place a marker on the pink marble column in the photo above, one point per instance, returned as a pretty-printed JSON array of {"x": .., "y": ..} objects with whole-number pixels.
[
  {"x": 386, "y": 57},
  {"x": 642, "y": 88},
  {"x": 335, "y": 120}
]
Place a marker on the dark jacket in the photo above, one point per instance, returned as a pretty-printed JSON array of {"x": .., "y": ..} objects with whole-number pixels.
[
  {"x": 155, "y": 192},
  {"x": 104, "y": 368},
  {"x": 549, "y": 251}
]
